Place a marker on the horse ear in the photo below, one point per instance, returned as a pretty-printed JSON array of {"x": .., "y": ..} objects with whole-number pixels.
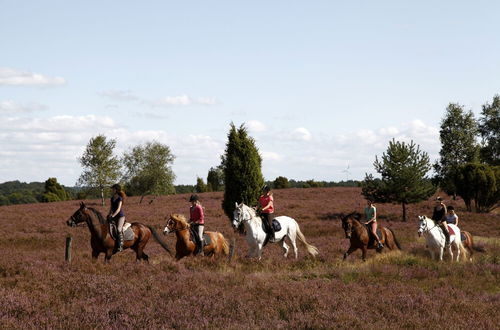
[
  {"x": 236, "y": 204},
  {"x": 82, "y": 205}
]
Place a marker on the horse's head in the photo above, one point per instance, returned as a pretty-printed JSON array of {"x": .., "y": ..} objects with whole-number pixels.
[
  {"x": 79, "y": 216},
  {"x": 175, "y": 223},
  {"x": 423, "y": 224},
  {"x": 347, "y": 221},
  {"x": 241, "y": 214}
]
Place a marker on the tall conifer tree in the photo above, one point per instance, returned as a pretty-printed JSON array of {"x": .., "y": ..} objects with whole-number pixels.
[{"x": 241, "y": 162}]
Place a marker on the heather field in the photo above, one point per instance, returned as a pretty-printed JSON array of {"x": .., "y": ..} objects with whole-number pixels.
[{"x": 393, "y": 290}]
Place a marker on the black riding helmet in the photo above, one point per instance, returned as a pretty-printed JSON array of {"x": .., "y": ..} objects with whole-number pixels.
[
  {"x": 194, "y": 198},
  {"x": 266, "y": 188}
]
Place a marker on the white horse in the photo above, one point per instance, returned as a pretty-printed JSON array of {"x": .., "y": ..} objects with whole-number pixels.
[
  {"x": 436, "y": 240},
  {"x": 255, "y": 234}
]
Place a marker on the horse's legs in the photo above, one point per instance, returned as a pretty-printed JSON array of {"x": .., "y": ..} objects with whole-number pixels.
[
  {"x": 349, "y": 251},
  {"x": 295, "y": 250},
  {"x": 285, "y": 248},
  {"x": 432, "y": 254},
  {"x": 441, "y": 251},
  {"x": 109, "y": 254},
  {"x": 364, "y": 249},
  {"x": 95, "y": 254}
]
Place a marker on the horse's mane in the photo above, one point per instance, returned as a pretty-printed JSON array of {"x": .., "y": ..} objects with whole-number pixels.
[
  {"x": 356, "y": 215},
  {"x": 99, "y": 216},
  {"x": 179, "y": 217}
]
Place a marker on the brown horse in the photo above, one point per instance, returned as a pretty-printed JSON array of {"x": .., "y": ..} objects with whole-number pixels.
[
  {"x": 184, "y": 247},
  {"x": 360, "y": 238},
  {"x": 101, "y": 240},
  {"x": 469, "y": 245}
]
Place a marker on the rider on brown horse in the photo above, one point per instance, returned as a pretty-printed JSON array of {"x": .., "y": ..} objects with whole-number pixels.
[
  {"x": 197, "y": 220},
  {"x": 116, "y": 213},
  {"x": 371, "y": 221}
]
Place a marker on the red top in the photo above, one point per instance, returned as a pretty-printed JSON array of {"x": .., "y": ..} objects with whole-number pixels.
[
  {"x": 196, "y": 214},
  {"x": 264, "y": 200}
]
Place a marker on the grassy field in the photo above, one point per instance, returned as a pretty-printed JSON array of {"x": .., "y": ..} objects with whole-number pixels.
[{"x": 402, "y": 289}]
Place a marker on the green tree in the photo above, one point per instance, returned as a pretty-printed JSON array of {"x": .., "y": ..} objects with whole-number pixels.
[
  {"x": 458, "y": 144},
  {"x": 479, "y": 183},
  {"x": 489, "y": 129},
  {"x": 215, "y": 178},
  {"x": 54, "y": 192},
  {"x": 148, "y": 170},
  {"x": 100, "y": 167},
  {"x": 241, "y": 161},
  {"x": 281, "y": 182},
  {"x": 403, "y": 169},
  {"x": 200, "y": 187}
]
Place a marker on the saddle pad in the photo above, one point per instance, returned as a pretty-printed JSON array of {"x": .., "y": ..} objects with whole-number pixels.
[
  {"x": 451, "y": 231},
  {"x": 128, "y": 233},
  {"x": 462, "y": 236},
  {"x": 206, "y": 238},
  {"x": 276, "y": 226}
]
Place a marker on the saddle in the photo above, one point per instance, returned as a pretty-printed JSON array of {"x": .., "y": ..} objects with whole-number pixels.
[
  {"x": 276, "y": 226},
  {"x": 193, "y": 237},
  {"x": 128, "y": 233}
]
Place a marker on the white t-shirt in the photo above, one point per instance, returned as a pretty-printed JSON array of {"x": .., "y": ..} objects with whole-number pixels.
[{"x": 451, "y": 218}]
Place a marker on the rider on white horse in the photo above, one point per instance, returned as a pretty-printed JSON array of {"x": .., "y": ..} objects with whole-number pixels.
[
  {"x": 439, "y": 217},
  {"x": 266, "y": 202}
]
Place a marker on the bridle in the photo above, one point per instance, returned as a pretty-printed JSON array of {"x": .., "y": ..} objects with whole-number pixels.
[
  {"x": 170, "y": 222},
  {"x": 423, "y": 227},
  {"x": 347, "y": 225}
]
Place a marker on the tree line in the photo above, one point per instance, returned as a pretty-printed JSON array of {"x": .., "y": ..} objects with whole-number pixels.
[{"x": 469, "y": 163}]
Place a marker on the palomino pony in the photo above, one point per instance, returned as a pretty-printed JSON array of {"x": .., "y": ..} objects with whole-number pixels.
[
  {"x": 101, "y": 240},
  {"x": 255, "y": 236},
  {"x": 436, "y": 240},
  {"x": 360, "y": 238},
  {"x": 177, "y": 224}
]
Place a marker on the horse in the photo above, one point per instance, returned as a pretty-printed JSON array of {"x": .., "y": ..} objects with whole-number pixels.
[
  {"x": 436, "y": 240},
  {"x": 469, "y": 244},
  {"x": 255, "y": 234},
  {"x": 184, "y": 247},
  {"x": 100, "y": 237},
  {"x": 360, "y": 238}
]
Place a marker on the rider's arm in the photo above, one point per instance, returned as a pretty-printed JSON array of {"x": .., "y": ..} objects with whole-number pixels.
[
  {"x": 456, "y": 220},
  {"x": 268, "y": 204}
]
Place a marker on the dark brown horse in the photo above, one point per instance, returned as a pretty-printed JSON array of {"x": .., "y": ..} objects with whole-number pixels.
[
  {"x": 101, "y": 240},
  {"x": 359, "y": 236},
  {"x": 469, "y": 245},
  {"x": 185, "y": 246}
]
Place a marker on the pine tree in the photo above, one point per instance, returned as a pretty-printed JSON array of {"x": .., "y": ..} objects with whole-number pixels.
[
  {"x": 54, "y": 192},
  {"x": 403, "y": 169},
  {"x": 215, "y": 178},
  {"x": 479, "y": 183},
  {"x": 458, "y": 144},
  {"x": 200, "y": 187},
  {"x": 281, "y": 182},
  {"x": 241, "y": 162},
  {"x": 101, "y": 167},
  {"x": 489, "y": 128}
]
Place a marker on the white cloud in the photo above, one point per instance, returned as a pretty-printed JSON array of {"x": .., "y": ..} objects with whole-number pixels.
[
  {"x": 12, "y": 107},
  {"x": 119, "y": 95},
  {"x": 302, "y": 133},
  {"x": 271, "y": 156},
  {"x": 255, "y": 126},
  {"x": 185, "y": 100},
  {"x": 12, "y": 77}
]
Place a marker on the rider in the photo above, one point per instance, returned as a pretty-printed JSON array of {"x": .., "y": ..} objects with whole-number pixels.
[
  {"x": 452, "y": 217},
  {"x": 371, "y": 217},
  {"x": 266, "y": 202},
  {"x": 116, "y": 213},
  {"x": 439, "y": 217},
  {"x": 197, "y": 219}
]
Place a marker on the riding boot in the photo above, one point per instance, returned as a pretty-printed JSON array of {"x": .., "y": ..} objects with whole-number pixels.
[
  {"x": 200, "y": 248},
  {"x": 120, "y": 242}
]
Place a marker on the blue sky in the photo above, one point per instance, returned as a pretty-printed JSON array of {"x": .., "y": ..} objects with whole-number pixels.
[{"x": 321, "y": 85}]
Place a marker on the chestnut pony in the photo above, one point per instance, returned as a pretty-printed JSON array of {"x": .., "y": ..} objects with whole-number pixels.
[
  {"x": 101, "y": 240},
  {"x": 469, "y": 244},
  {"x": 184, "y": 247},
  {"x": 359, "y": 237}
]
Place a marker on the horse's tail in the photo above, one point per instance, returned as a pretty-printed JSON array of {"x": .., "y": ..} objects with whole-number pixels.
[
  {"x": 159, "y": 240},
  {"x": 474, "y": 246},
  {"x": 395, "y": 239},
  {"x": 311, "y": 249},
  {"x": 463, "y": 251},
  {"x": 225, "y": 244}
]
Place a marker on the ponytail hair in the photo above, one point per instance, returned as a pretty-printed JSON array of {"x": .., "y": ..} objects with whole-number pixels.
[{"x": 119, "y": 190}]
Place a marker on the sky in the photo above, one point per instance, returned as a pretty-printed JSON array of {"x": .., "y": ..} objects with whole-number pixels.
[{"x": 322, "y": 86}]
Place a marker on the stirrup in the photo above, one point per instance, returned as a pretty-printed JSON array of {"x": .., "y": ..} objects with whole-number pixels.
[{"x": 380, "y": 245}]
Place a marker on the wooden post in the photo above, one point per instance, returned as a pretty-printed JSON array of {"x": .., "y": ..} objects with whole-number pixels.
[{"x": 67, "y": 255}]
